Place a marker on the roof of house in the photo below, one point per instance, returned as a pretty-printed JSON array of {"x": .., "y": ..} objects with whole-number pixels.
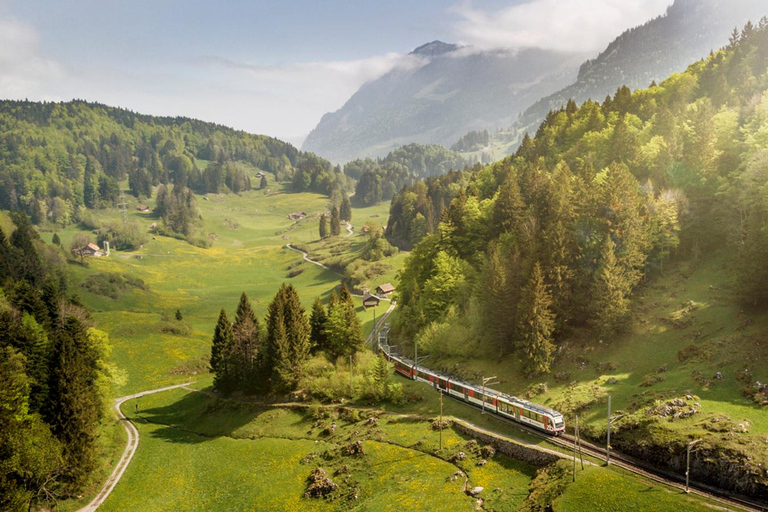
[
  {"x": 93, "y": 247},
  {"x": 369, "y": 296},
  {"x": 386, "y": 288}
]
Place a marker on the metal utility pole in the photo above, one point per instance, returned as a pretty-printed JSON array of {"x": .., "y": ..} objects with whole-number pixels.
[
  {"x": 486, "y": 382},
  {"x": 575, "y": 442},
  {"x": 441, "y": 419},
  {"x": 578, "y": 440},
  {"x": 688, "y": 463},
  {"x": 608, "y": 442}
]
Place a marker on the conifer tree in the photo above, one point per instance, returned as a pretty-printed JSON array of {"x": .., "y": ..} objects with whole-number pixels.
[
  {"x": 288, "y": 344},
  {"x": 297, "y": 331},
  {"x": 381, "y": 374},
  {"x": 246, "y": 344},
  {"x": 335, "y": 222},
  {"x": 498, "y": 301},
  {"x": 343, "y": 330},
  {"x": 509, "y": 208},
  {"x": 317, "y": 321},
  {"x": 263, "y": 182},
  {"x": 75, "y": 407},
  {"x": 56, "y": 240},
  {"x": 610, "y": 291},
  {"x": 323, "y": 226},
  {"x": 537, "y": 323},
  {"x": 221, "y": 350},
  {"x": 345, "y": 210}
]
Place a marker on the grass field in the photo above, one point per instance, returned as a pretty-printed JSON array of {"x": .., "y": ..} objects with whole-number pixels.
[
  {"x": 248, "y": 255},
  {"x": 221, "y": 455}
]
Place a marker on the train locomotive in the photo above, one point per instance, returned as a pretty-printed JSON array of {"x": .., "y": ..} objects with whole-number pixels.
[{"x": 522, "y": 411}]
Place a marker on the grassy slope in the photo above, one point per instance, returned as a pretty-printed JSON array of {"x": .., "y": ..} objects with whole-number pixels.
[
  {"x": 247, "y": 256},
  {"x": 262, "y": 469}
]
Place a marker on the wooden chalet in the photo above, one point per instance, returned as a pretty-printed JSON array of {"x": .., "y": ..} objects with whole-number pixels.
[
  {"x": 297, "y": 215},
  {"x": 143, "y": 208},
  {"x": 385, "y": 289},
  {"x": 370, "y": 300}
]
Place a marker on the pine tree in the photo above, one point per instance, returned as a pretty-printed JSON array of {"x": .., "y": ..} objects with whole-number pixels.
[
  {"x": 335, "y": 222},
  {"x": 343, "y": 329},
  {"x": 246, "y": 344},
  {"x": 345, "y": 211},
  {"x": 497, "y": 300},
  {"x": 317, "y": 321},
  {"x": 75, "y": 406},
  {"x": 509, "y": 208},
  {"x": 263, "y": 182},
  {"x": 610, "y": 303},
  {"x": 56, "y": 240},
  {"x": 178, "y": 315},
  {"x": 323, "y": 226},
  {"x": 288, "y": 340},
  {"x": 381, "y": 374},
  {"x": 298, "y": 330},
  {"x": 537, "y": 323},
  {"x": 221, "y": 350}
]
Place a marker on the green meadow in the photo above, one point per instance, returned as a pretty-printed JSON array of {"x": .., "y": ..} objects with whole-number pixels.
[
  {"x": 214, "y": 454},
  {"x": 248, "y": 254}
]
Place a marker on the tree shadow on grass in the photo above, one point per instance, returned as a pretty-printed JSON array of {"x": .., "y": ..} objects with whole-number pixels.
[{"x": 200, "y": 416}]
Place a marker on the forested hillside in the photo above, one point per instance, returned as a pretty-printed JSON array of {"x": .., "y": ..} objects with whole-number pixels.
[
  {"x": 55, "y": 376},
  {"x": 688, "y": 31},
  {"x": 602, "y": 198},
  {"x": 380, "y": 179},
  {"x": 59, "y": 159}
]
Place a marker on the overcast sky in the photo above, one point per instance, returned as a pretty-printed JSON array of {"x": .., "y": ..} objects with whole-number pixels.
[{"x": 271, "y": 67}]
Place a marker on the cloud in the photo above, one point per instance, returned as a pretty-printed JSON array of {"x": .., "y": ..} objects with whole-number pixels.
[
  {"x": 23, "y": 72},
  {"x": 563, "y": 25},
  {"x": 288, "y": 100}
]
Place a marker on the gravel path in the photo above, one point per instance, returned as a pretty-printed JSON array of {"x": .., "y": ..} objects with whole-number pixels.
[{"x": 130, "y": 449}]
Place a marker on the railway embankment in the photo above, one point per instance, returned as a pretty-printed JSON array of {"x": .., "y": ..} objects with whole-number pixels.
[{"x": 533, "y": 455}]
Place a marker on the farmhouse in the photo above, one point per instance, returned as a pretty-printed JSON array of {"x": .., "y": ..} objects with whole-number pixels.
[
  {"x": 385, "y": 289},
  {"x": 143, "y": 208},
  {"x": 370, "y": 301},
  {"x": 297, "y": 215}
]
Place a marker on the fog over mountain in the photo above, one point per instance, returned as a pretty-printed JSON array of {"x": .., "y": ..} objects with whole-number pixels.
[
  {"x": 458, "y": 89},
  {"x": 454, "y": 91}
]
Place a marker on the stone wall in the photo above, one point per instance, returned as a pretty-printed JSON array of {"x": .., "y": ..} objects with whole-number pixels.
[{"x": 531, "y": 455}]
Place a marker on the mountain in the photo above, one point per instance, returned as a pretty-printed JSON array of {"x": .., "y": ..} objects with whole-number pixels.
[
  {"x": 688, "y": 31},
  {"x": 452, "y": 91}
]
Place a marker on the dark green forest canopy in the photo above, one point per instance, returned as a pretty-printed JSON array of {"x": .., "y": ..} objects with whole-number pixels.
[
  {"x": 380, "y": 179},
  {"x": 55, "y": 375},
  {"x": 56, "y": 159},
  {"x": 602, "y": 196}
]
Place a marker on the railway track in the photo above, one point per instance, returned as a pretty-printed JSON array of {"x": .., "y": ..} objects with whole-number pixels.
[{"x": 726, "y": 499}]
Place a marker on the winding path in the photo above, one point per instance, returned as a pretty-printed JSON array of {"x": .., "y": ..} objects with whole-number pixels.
[
  {"x": 130, "y": 448},
  {"x": 306, "y": 258}
]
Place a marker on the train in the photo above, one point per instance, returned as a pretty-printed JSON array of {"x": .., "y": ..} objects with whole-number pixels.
[{"x": 516, "y": 409}]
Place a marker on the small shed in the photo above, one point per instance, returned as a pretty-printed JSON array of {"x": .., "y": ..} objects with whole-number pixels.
[
  {"x": 91, "y": 250},
  {"x": 385, "y": 289},
  {"x": 143, "y": 208},
  {"x": 370, "y": 300},
  {"x": 297, "y": 215}
]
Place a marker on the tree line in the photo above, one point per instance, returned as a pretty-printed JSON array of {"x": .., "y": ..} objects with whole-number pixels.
[
  {"x": 249, "y": 356},
  {"x": 59, "y": 159},
  {"x": 603, "y": 196},
  {"x": 380, "y": 179},
  {"x": 55, "y": 374}
]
